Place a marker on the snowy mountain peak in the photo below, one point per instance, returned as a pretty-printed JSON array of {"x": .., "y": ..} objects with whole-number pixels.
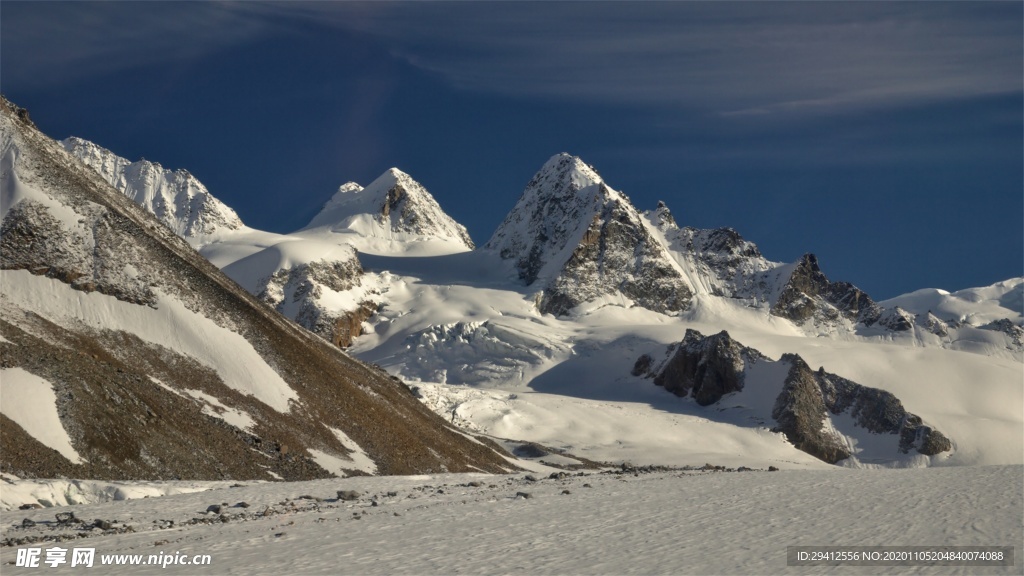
[
  {"x": 177, "y": 198},
  {"x": 393, "y": 208},
  {"x": 581, "y": 240}
]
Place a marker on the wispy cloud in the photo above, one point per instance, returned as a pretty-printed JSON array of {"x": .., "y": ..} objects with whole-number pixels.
[
  {"x": 732, "y": 59},
  {"x": 47, "y": 45}
]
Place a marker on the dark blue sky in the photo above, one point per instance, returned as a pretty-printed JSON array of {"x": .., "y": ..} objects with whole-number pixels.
[{"x": 888, "y": 138}]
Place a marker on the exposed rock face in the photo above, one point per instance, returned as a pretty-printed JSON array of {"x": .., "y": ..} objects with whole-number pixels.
[
  {"x": 710, "y": 368},
  {"x": 1006, "y": 326},
  {"x": 706, "y": 368},
  {"x": 580, "y": 240},
  {"x": 296, "y": 292},
  {"x": 166, "y": 368},
  {"x": 394, "y": 206},
  {"x": 800, "y": 411},
  {"x": 809, "y": 294},
  {"x": 177, "y": 198}
]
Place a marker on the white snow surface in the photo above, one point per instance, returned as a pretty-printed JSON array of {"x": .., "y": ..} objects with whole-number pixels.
[
  {"x": 470, "y": 338},
  {"x": 32, "y": 403},
  {"x": 170, "y": 325},
  {"x": 675, "y": 522},
  {"x": 973, "y": 306}
]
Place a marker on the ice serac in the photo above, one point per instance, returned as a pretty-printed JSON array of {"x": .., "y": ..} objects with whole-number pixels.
[
  {"x": 825, "y": 415},
  {"x": 579, "y": 240},
  {"x": 393, "y": 207},
  {"x": 160, "y": 366},
  {"x": 177, "y": 198}
]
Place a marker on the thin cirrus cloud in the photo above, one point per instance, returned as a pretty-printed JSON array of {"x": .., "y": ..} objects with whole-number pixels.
[
  {"x": 53, "y": 44},
  {"x": 731, "y": 59}
]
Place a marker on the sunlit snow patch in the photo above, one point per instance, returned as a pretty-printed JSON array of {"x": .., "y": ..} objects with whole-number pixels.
[{"x": 31, "y": 402}]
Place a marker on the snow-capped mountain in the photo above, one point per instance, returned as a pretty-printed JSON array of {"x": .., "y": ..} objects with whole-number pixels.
[
  {"x": 127, "y": 355},
  {"x": 533, "y": 336},
  {"x": 392, "y": 211},
  {"x": 579, "y": 240},
  {"x": 177, "y": 198}
]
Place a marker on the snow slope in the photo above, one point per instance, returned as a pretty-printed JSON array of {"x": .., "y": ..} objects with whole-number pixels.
[{"x": 678, "y": 522}]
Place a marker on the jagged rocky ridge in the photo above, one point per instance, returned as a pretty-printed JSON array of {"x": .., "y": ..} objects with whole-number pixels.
[
  {"x": 578, "y": 239},
  {"x": 177, "y": 198},
  {"x": 164, "y": 368},
  {"x": 807, "y": 405}
]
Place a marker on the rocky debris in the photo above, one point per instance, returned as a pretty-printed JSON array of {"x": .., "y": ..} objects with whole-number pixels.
[
  {"x": 578, "y": 240},
  {"x": 705, "y": 368}
]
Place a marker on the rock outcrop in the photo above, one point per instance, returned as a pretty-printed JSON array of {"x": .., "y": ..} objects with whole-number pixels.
[
  {"x": 579, "y": 240},
  {"x": 805, "y": 404},
  {"x": 809, "y": 295}
]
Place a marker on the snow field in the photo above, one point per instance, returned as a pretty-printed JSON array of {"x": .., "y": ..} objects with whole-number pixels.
[{"x": 662, "y": 522}]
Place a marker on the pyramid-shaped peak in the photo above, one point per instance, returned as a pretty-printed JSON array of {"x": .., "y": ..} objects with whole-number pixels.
[
  {"x": 565, "y": 167},
  {"x": 394, "y": 207}
]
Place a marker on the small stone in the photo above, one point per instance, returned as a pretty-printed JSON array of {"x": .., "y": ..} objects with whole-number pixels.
[
  {"x": 773, "y": 469},
  {"x": 530, "y": 478},
  {"x": 566, "y": 492},
  {"x": 66, "y": 517},
  {"x": 26, "y": 523},
  {"x": 348, "y": 495},
  {"x": 32, "y": 506},
  {"x": 215, "y": 508},
  {"x": 242, "y": 505},
  {"x": 103, "y": 524},
  {"x": 523, "y": 495},
  {"x": 475, "y": 484},
  {"x": 587, "y": 486}
]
